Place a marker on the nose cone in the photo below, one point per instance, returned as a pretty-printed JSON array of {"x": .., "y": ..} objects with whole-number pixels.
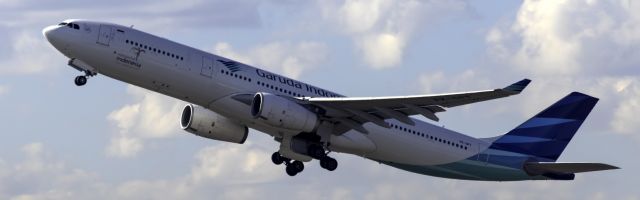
[
  {"x": 50, "y": 33},
  {"x": 56, "y": 38}
]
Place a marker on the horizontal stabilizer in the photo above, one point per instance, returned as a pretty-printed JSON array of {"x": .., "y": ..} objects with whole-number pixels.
[{"x": 565, "y": 168}]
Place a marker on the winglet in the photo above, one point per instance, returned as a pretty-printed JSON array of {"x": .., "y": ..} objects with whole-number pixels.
[{"x": 517, "y": 87}]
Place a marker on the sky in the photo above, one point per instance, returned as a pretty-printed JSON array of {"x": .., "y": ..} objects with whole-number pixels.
[{"x": 111, "y": 140}]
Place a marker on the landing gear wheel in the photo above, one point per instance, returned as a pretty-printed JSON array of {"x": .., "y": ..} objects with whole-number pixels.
[
  {"x": 329, "y": 163},
  {"x": 80, "y": 80},
  {"x": 294, "y": 167},
  {"x": 291, "y": 170},
  {"x": 276, "y": 158},
  {"x": 298, "y": 165}
]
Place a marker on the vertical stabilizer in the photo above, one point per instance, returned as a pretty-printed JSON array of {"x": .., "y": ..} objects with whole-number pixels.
[{"x": 547, "y": 134}]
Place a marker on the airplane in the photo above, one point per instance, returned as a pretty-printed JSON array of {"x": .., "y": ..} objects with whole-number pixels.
[{"x": 226, "y": 98}]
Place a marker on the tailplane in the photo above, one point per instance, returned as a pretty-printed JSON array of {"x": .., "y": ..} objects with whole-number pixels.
[{"x": 546, "y": 135}]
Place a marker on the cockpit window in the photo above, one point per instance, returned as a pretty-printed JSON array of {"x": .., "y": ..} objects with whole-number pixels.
[
  {"x": 62, "y": 23},
  {"x": 71, "y": 25}
]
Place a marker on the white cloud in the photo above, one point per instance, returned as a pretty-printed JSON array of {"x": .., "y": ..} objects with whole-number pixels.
[
  {"x": 570, "y": 37},
  {"x": 227, "y": 171},
  {"x": 381, "y": 29},
  {"x": 361, "y": 16},
  {"x": 231, "y": 171},
  {"x": 291, "y": 59},
  {"x": 439, "y": 82},
  {"x": 40, "y": 176},
  {"x": 235, "y": 164},
  {"x": 4, "y": 89},
  {"x": 572, "y": 45},
  {"x": 28, "y": 53},
  {"x": 124, "y": 146},
  {"x": 151, "y": 116},
  {"x": 625, "y": 117},
  {"x": 382, "y": 50}
]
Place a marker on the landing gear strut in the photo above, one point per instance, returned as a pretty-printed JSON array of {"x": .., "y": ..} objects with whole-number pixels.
[{"x": 82, "y": 67}]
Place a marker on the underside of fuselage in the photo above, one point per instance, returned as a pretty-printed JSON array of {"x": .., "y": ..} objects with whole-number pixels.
[{"x": 469, "y": 170}]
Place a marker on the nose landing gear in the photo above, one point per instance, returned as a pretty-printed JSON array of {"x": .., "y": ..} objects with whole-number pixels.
[
  {"x": 82, "y": 67},
  {"x": 82, "y": 80}
]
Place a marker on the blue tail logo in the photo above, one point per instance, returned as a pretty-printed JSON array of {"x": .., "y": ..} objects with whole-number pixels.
[{"x": 547, "y": 134}]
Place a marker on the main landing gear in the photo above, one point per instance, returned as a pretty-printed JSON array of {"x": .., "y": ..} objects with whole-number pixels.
[
  {"x": 82, "y": 80},
  {"x": 326, "y": 162},
  {"x": 292, "y": 168},
  {"x": 295, "y": 167}
]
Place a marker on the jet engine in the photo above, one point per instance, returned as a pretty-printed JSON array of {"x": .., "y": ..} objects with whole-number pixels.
[
  {"x": 205, "y": 123},
  {"x": 284, "y": 113}
]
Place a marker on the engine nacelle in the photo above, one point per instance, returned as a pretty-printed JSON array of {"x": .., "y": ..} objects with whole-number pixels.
[
  {"x": 284, "y": 113},
  {"x": 208, "y": 124}
]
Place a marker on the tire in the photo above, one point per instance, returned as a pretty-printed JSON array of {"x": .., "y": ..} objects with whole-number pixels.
[
  {"x": 276, "y": 158},
  {"x": 330, "y": 164},
  {"x": 291, "y": 170},
  {"x": 297, "y": 165},
  {"x": 80, "y": 80}
]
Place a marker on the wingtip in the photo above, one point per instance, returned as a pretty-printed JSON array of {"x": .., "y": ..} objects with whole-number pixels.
[{"x": 519, "y": 86}]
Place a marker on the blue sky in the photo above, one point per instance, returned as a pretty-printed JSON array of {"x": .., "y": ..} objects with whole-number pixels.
[{"x": 110, "y": 140}]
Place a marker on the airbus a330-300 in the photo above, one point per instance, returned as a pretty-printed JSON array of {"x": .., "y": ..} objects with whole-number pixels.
[{"x": 227, "y": 97}]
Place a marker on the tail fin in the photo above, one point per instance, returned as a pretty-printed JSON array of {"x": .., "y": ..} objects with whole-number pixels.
[{"x": 547, "y": 134}]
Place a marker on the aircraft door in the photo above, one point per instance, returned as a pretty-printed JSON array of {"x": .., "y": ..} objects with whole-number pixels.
[
  {"x": 106, "y": 35},
  {"x": 207, "y": 66}
]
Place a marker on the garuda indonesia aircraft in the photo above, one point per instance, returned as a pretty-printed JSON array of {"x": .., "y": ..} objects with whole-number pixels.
[{"x": 227, "y": 98}]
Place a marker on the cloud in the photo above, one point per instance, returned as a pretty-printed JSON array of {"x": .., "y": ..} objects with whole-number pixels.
[
  {"x": 291, "y": 59},
  {"x": 41, "y": 176},
  {"x": 242, "y": 164},
  {"x": 570, "y": 38},
  {"x": 26, "y": 53},
  {"x": 4, "y": 89},
  {"x": 565, "y": 46},
  {"x": 151, "y": 116},
  {"x": 625, "y": 119},
  {"x": 227, "y": 171},
  {"x": 381, "y": 29},
  {"x": 382, "y": 50},
  {"x": 232, "y": 171},
  {"x": 124, "y": 146},
  {"x": 158, "y": 15}
]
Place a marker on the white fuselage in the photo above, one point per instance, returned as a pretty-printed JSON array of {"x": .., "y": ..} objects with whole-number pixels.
[{"x": 201, "y": 78}]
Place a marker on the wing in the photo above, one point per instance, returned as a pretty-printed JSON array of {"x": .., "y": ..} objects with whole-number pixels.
[
  {"x": 354, "y": 111},
  {"x": 544, "y": 167}
]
